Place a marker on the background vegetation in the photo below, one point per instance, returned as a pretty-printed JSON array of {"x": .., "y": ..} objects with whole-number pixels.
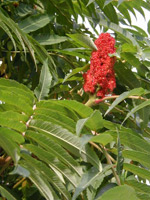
[{"x": 52, "y": 145}]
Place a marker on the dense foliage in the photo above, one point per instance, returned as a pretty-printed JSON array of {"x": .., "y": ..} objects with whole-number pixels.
[{"x": 74, "y": 114}]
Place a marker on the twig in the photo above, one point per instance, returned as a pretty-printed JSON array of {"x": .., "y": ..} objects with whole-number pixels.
[
  {"x": 8, "y": 160},
  {"x": 19, "y": 182},
  {"x": 97, "y": 147},
  {"x": 110, "y": 163},
  {"x": 116, "y": 96}
]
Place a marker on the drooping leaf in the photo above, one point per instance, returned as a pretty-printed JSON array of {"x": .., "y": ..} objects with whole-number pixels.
[{"x": 42, "y": 90}]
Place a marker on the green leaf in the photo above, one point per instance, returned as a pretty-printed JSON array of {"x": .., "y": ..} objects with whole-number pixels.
[
  {"x": 120, "y": 31},
  {"x": 128, "y": 48},
  {"x": 11, "y": 122},
  {"x": 14, "y": 85},
  {"x": 4, "y": 27},
  {"x": 120, "y": 2},
  {"x": 136, "y": 108},
  {"x": 103, "y": 139},
  {"x": 143, "y": 173},
  {"x": 141, "y": 157},
  {"x": 107, "y": 2},
  {"x": 13, "y": 99},
  {"x": 90, "y": 1},
  {"x": 91, "y": 177},
  {"x": 54, "y": 105},
  {"x": 37, "y": 178},
  {"x": 138, "y": 186},
  {"x": 94, "y": 122},
  {"x": 75, "y": 71},
  {"x": 81, "y": 109},
  {"x": 42, "y": 90},
  {"x": 9, "y": 145},
  {"x": 55, "y": 117},
  {"x": 13, "y": 135},
  {"x": 148, "y": 26},
  {"x": 49, "y": 158},
  {"x": 35, "y": 22},
  {"x": 122, "y": 192},
  {"x": 83, "y": 40},
  {"x": 109, "y": 11},
  {"x": 136, "y": 91},
  {"x": 140, "y": 30},
  {"x": 48, "y": 174},
  {"x": 57, "y": 151},
  {"x": 6, "y": 194},
  {"x": 131, "y": 139},
  {"x": 146, "y": 53},
  {"x": 122, "y": 72},
  {"x": 65, "y": 139},
  {"x": 46, "y": 39}
]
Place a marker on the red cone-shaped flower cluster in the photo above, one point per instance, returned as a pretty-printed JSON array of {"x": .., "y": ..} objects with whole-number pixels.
[{"x": 100, "y": 77}]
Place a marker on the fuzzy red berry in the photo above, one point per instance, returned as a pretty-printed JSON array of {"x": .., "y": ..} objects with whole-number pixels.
[{"x": 100, "y": 77}]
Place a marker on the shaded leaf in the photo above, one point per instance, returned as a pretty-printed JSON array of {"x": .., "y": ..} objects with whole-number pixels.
[
  {"x": 35, "y": 22},
  {"x": 50, "y": 39}
]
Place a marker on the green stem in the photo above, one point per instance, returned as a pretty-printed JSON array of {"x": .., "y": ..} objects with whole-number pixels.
[{"x": 91, "y": 100}]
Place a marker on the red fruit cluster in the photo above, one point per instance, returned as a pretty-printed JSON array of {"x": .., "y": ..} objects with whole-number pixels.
[{"x": 100, "y": 78}]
